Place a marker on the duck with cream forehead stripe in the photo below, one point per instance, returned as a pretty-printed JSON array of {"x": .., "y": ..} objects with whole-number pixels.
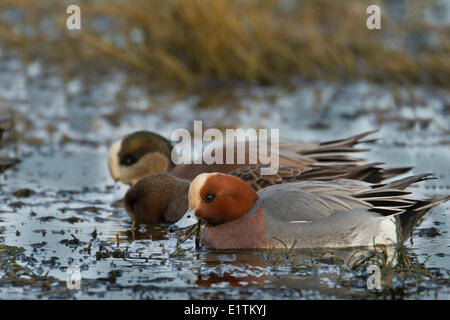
[
  {"x": 137, "y": 154},
  {"x": 141, "y": 153},
  {"x": 159, "y": 197},
  {"x": 338, "y": 213}
]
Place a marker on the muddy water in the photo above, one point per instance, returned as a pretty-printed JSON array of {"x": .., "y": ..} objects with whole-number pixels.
[{"x": 55, "y": 207}]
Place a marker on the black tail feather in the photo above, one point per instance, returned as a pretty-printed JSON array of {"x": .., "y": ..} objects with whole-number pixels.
[{"x": 409, "y": 219}]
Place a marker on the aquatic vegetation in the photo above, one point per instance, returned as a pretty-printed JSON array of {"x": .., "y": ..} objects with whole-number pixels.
[
  {"x": 55, "y": 207},
  {"x": 16, "y": 275},
  {"x": 402, "y": 274}
]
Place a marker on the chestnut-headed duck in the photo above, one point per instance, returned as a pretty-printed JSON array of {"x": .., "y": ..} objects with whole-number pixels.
[
  {"x": 142, "y": 153},
  {"x": 162, "y": 197},
  {"x": 305, "y": 214}
]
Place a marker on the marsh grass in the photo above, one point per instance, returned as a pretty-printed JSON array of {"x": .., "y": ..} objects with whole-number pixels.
[
  {"x": 401, "y": 272},
  {"x": 196, "y": 42}
]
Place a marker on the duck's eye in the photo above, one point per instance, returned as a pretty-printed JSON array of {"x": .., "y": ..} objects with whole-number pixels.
[
  {"x": 128, "y": 161},
  {"x": 209, "y": 197}
]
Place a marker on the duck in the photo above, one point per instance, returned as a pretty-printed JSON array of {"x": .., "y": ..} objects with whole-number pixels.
[
  {"x": 227, "y": 213},
  {"x": 141, "y": 153},
  {"x": 163, "y": 197}
]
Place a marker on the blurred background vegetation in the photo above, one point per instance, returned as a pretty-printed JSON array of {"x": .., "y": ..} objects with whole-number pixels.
[
  {"x": 192, "y": 43},
  {"x": 308, "y": 67}
]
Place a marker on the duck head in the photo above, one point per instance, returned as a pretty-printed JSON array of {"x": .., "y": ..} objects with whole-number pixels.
[
  {"x": 157, "y": 198},
  {"x": 215, "y": 199},
  {"x": 138, "y": 154}
]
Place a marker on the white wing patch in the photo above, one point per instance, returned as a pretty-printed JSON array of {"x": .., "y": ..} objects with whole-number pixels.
[{"x": 299, "y": 221}]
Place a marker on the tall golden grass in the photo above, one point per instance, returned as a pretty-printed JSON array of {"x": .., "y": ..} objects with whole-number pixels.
[{"x": 188, "y": 42}]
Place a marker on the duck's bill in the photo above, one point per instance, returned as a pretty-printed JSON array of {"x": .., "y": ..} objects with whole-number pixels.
[
  {"x": 188, "y": 221},
  {"x": 188, "y": 233}
]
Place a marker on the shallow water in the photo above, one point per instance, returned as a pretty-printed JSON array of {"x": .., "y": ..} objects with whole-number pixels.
[{"x": 62, "y": 136}]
